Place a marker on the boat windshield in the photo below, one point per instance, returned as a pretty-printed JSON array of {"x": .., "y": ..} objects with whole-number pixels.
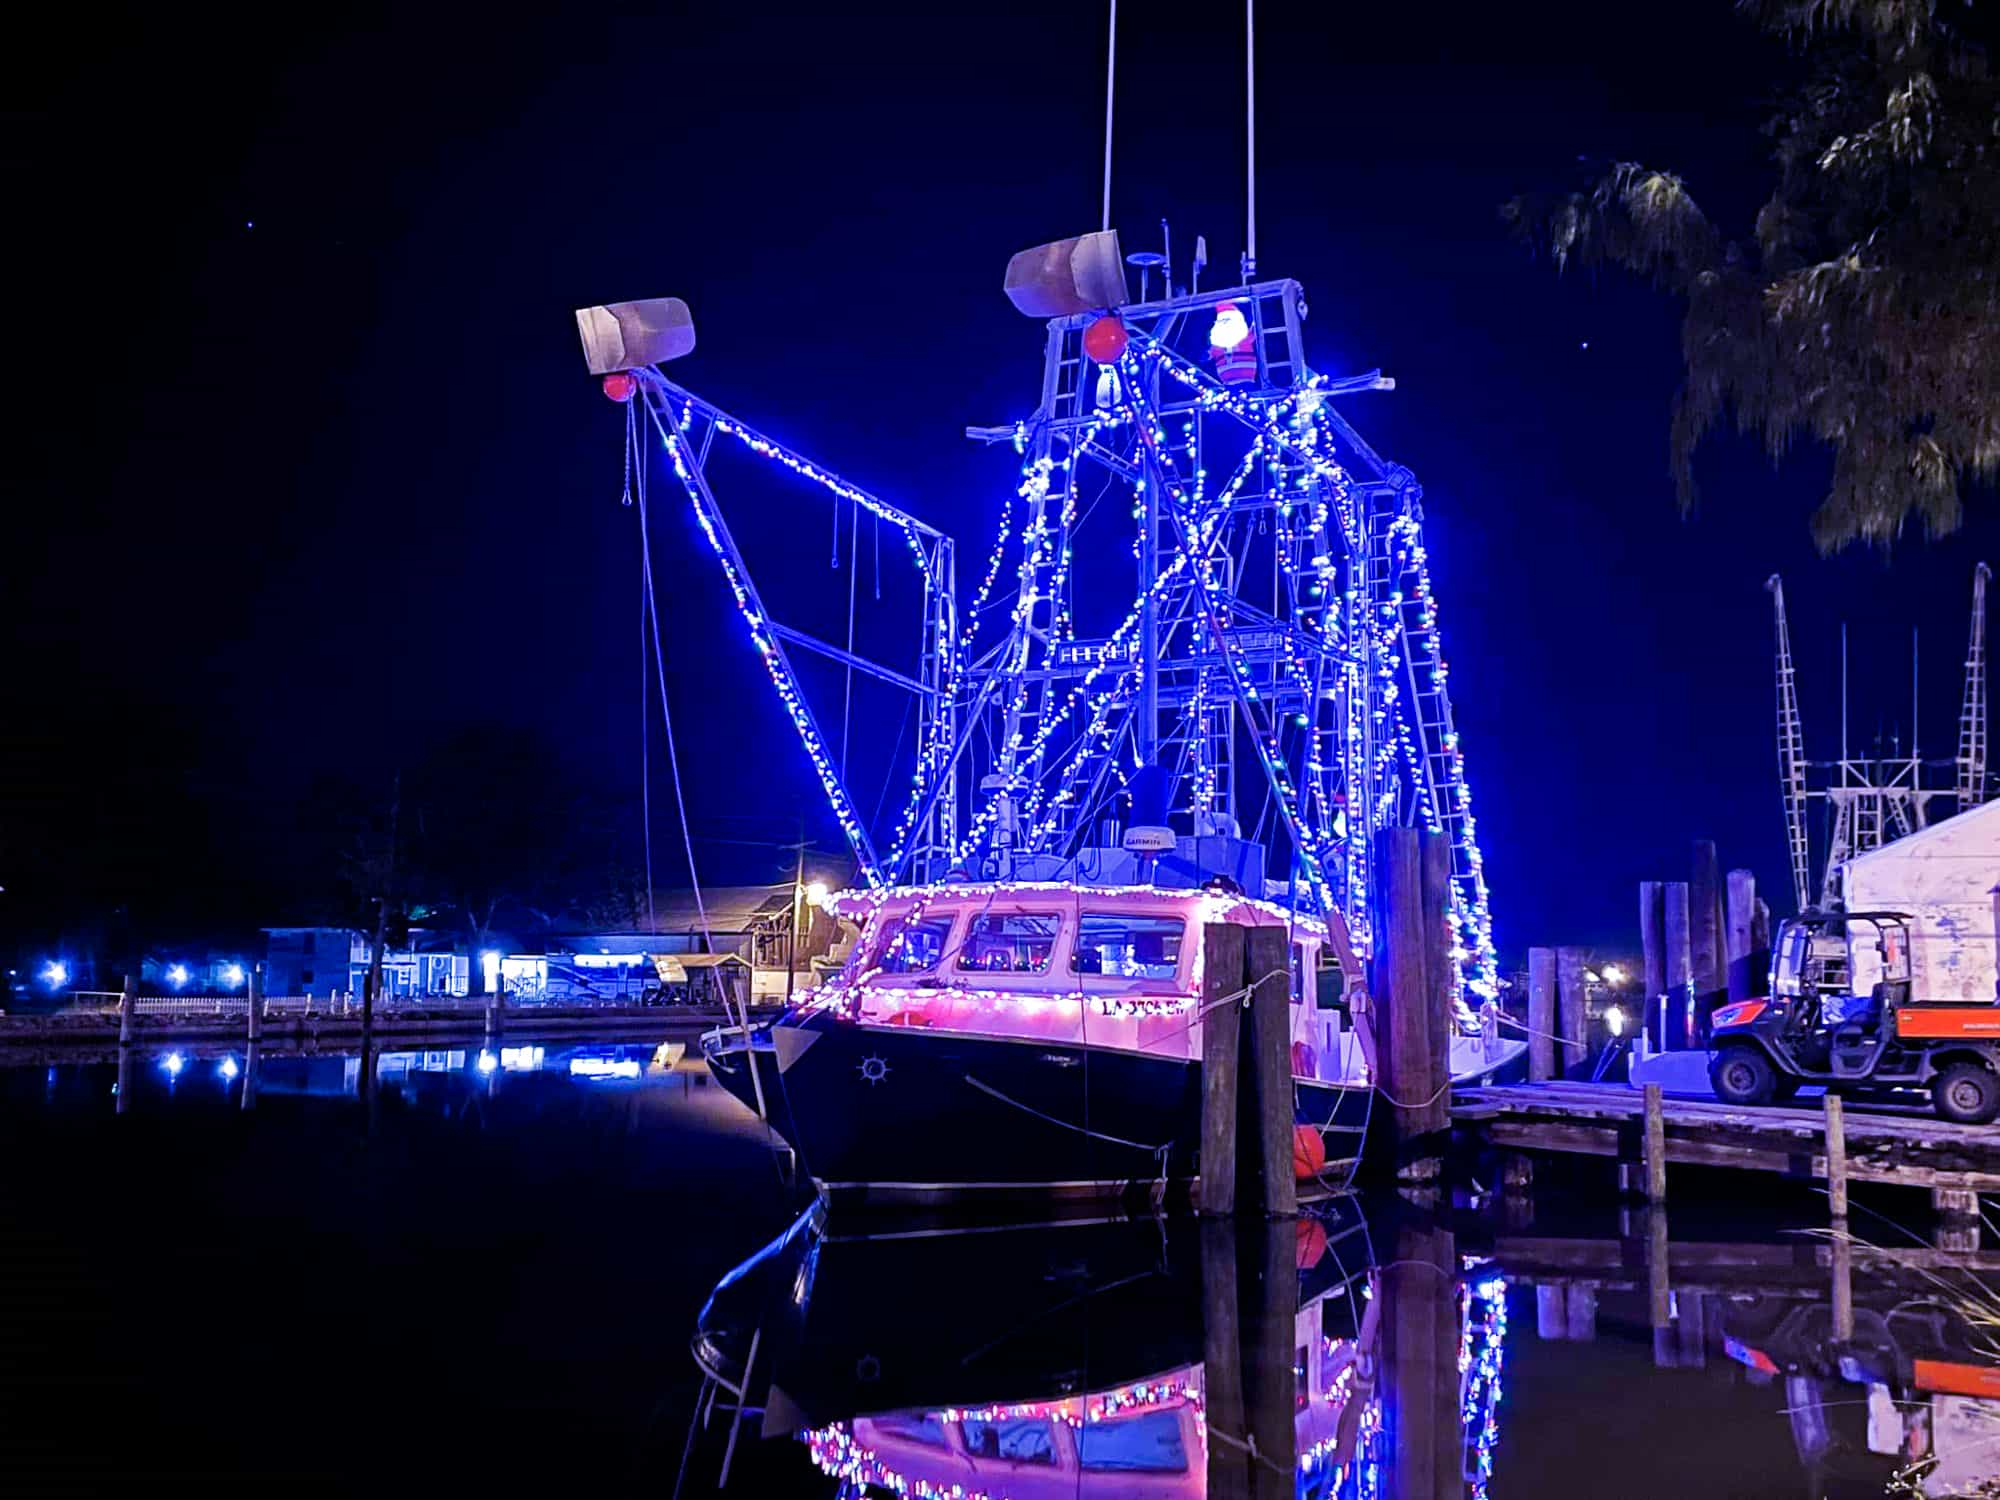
[
  {"x": 1127, "y": 947},
  {"x": 1009, "y": 943},
  {"x": 913, "y": 947}
]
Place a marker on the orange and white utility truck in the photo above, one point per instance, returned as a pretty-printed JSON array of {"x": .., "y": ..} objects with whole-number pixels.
[{"x": 1899, "y": 990}]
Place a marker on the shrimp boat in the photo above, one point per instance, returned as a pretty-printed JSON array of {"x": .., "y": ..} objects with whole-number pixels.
[{"x": 1219, "y": 674}]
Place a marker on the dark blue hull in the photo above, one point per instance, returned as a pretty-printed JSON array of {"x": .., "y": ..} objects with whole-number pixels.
[{"x": 899, "y": 1115}]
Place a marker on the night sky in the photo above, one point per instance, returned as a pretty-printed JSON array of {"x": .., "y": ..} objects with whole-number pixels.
[{"x": 309, "y": 473}]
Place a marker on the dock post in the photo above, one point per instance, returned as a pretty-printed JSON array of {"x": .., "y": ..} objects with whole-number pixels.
[
  {"x": 1653, "y": 943},
  {"x": 1659, "y": 1288},
  {"x": 253, "y": 1007},
  {"x": 1740, "y": 924},
  {"x": 1414, "y": 981},
  {"x": 1269, "y": 1262},
  {"x": 1676, "y": 1009},
  {"x": 1222, "y": 982},
  {"x": 1267, "y": 962},
  {"x": 1222, "y": 1359},
  {"x": 1420, "y": 1381},
  {"x": 1656, "y": 1147},
  {"x": 1551, "y": 1317},
  {"x": 1580, "y": 1313},
  {"x": 126, "y": 997},
  {"x": 1570, "y": 1004},
  {"x": 1541, "y": 1014},
  {"x": 1705, "y": 937},
  {"x": 1836, "y": 1161}
]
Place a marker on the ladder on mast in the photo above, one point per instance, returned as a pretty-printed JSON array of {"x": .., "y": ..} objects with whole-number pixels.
[
  {"x": 1791, "y": 753},
  {"x": 1972, "y": 783}
]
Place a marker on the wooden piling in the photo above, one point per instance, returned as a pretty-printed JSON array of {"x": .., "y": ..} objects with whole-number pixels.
[
  {"x": 1541, "y": 1014},
  {"x": 1410, "y": 989},
  {"x": 126, "y": 996},
  {"x": 1836, "y": 1161},
  {"x": 1223, "y": 974},
  {"x": 1268, "y": 1282},
  {"x": 1659, "y": 1288},
  {"x": 1580, "y": 1313},
  {"x": 253, "y": 1010},
  {"x": 1267, "y": 964},
  {"x": 1419, "y": 1365},
  {"x": 1740, "y": 921},
  {"x": 1656, "y": 1146},
  {"x": 1843, "y": 1283},
  {"x": 1705, "y": 939},
  {"x": 1653, "y": 942},
  {"x": 1675, "y": 1007},
  {"x": 1222, "y": 1358},
  {"x": 1572, "y": 1012}
]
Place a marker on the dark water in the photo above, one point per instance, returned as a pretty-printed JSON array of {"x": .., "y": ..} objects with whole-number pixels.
[{"x": 583, "y": 1268}]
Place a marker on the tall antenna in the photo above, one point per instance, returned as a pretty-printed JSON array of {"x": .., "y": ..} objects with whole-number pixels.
[
  {"x": 1791, "y": 752},
  {"x": 1250, "y": 135},
  {"x": 1110, "y": 84},
  {"x": 1972, "y": 717}
]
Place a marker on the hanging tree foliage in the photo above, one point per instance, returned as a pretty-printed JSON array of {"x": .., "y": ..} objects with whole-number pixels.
[{"x": 1866, "y": 311}]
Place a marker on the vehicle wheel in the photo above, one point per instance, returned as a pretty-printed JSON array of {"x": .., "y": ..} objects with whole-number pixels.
[
  {"x": 1743, "y": 1075},
  {"x": 1966, "y": 1093}
]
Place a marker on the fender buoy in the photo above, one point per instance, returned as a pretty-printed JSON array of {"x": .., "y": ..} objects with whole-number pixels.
[
  {"x": 1311, "y": 1243},
  {"x": 1308, "y": 1152}
]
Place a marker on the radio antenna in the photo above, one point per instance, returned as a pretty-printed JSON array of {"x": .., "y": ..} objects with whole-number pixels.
[
  {"x": 1250, "y": 135},
  {"x": 1110, "y": 84}
]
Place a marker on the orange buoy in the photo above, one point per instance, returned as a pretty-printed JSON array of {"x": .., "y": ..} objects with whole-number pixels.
[
  {"x": 1311, "y": 1243},
  {"x": 1308, "y": 1152}
]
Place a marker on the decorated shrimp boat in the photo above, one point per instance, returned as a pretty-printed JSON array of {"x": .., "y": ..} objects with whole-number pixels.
[
  {"x": 1219, "y": 673},
  {"x": 1046, "y": 1036}
]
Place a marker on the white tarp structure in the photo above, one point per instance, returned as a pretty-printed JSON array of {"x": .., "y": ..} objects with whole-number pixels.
[{"x": 1944, "y": 878}]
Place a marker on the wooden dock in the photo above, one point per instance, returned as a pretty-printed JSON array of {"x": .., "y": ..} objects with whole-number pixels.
[{"x": 1608, "y": 1120}]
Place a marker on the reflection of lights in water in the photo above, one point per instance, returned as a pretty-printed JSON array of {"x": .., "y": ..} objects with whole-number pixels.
[
  {"x": 173, "y": 1062},
  {"x": 1482, "y": 1345},
  {"x": 604, "y": 1067},
  {"x": 227, "y": 1069},
  {"x": 486, "y": 1062},
  {"x": 520, "y": 1059}
]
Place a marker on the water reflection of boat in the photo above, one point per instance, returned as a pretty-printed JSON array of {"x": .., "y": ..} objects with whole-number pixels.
[{"x": 1099, "y": 1358}]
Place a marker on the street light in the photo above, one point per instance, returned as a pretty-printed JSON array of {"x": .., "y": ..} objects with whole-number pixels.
[
  {"x": 1614, "y": 974},
  {"x": 817, "y": 892},
  {"x": 55, "y": 974},
  {"x": 232, "y": 975},
  {"x": 177, "y": 975}
]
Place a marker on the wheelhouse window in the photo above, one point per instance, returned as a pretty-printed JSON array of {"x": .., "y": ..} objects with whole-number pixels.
[
  {"x": 914, "y": 947},
  {"x": 1145, "y": 1443},
  {"x": 1021, "y": 1440},
  {"x": 1128, "y": 947},
  {"x": 1009, "y": 943}
]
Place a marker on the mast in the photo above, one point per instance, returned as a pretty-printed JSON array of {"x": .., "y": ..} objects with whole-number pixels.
[
  {"x": 1972, "y": 786},
  {"x": 1791, "y": 751}
]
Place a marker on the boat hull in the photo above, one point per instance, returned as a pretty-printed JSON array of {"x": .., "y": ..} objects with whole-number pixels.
[{"x": 906, "y": 1114}]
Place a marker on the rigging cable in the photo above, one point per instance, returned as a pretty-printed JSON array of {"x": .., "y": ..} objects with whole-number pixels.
[
  {"x": 666, "y": 713},
  {"x": 645, "y": 692}
]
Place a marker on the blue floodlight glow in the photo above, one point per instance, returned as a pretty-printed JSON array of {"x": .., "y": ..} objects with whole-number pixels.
[
  {"x": 173, "y": 1062},
  {"x": 55, "y": 973},
  {"x": 227, "y": 1070},
  {"x": 604, "y": 1067},
  {"x": 177, "y": 975},
  {"x": 232, "y": 975},
  {"x": 487, "y": 1062}
]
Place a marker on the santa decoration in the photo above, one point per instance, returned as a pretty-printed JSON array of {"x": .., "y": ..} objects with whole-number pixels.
[{"x": 1231, "y": 347}]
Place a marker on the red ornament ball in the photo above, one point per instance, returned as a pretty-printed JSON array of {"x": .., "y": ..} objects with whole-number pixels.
[
  {"x": 1105, "y": 339},
  {"x": 620, "y": 385}
]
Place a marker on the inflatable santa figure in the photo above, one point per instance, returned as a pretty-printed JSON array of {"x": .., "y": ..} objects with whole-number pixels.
[{"x": 1231, "y": 348}]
